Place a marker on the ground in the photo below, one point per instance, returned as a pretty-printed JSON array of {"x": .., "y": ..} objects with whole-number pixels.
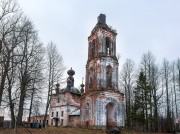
[{"x": 53, "y": 130}]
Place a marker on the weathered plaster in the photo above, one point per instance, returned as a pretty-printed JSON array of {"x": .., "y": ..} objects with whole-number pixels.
[{"x": 102, "y": 104}]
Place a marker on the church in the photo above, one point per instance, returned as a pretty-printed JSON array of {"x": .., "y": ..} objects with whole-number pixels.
[{"x": 98, "y": 104}]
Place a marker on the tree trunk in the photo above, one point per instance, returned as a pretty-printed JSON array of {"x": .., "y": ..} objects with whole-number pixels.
[
  {"x": 30, "y": 109},
  {"x": 48, "y": 97},
  {"x": 3, "y": 77},
  {"x": 21, "y": 105},
  {"x": 11, "y": 105},
  {"x": 155, "y": 112}
]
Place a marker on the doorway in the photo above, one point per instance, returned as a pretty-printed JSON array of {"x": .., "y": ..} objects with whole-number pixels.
[
  {"x": 56, "y": 122},
  {"x": 110, "y": 115}
]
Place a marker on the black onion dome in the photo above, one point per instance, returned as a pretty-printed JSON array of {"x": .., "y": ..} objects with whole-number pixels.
[
  {"x": 82, "y": 85},
  {"x": 71, "y": 72},
  {"x": 74, "y": 90},
  {"x": 71, "y": 90}
]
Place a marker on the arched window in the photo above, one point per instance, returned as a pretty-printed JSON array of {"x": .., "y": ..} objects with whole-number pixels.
[
  {"x": 110, "y": 115},
  {"x": 91, "y": 77},
  {"x": 108, "y": 44},
  {"x": 86, "y": 115},
  {"x": 86, "y": 112},
  {"x": 92, "y": 49},
  {"x": 108, "y": 76}
]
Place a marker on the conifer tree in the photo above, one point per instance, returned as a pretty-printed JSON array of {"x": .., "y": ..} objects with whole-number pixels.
[{"x": 141, "y": 102}]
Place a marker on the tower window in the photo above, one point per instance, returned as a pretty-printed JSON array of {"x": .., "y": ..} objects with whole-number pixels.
[
  {"x": 92, "y": 52},
  {"x": 92, "y": 49},
  {"x": 108, "y": 44},
  {"x": 109, "y": 76},
  {"x": 86, "y": 112},
  {"x": 52, "y": 114},
  {"x": 56, "y": 114},
  {"x": 90, "y": 77}
]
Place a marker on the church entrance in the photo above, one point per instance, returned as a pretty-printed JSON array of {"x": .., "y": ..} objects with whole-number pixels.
[
  {"x": 56, "y": 121},
  {"x": 110, "y": 115}
]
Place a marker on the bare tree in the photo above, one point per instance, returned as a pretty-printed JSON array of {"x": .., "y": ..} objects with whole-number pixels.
[
  {"x": 178, "y": 72},
  {"x": 127, "y": 80},
  {"x": 152, "y": 73},
  {"x": 55, "y": 70},
  {"x": 155, "y": 73},
  {"x": 174, "y": 87},
  {"x": 11, "y": 80},
  {"x": 166, "y": 71},
  {"x": 146, "y": 65},
  {"x": 36, "y": 91},
  {"x": 10, "y": 15},
  {"x": 30, "y": 56},
  {"x": 8, "y": 7}
]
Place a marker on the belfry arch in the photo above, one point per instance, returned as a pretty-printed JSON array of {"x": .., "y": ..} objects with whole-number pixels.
[
  {"x": 109, "y": 76},
  {"x": 108, "y": 46},
  {"x": 86, "y": 114},
  {"x": 110, "y": 115},
  {"x": 91, "y": 77}
]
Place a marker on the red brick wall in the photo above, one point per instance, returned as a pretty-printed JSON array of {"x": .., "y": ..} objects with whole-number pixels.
[{"x": 74, "y": 121}]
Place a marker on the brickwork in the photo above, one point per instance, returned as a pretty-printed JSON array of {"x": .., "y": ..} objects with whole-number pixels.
[
  {"x": 102, "y": 105},
  {"x": 74, "y": 121}
]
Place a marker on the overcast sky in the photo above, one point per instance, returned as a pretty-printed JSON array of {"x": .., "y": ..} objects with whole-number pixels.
[{"x": 141, "y": 25}]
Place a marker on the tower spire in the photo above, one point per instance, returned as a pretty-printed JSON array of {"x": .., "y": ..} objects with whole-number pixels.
[
  {"x": 102, "y": 18},
  {"x": 70, "y": 79},
  {"x": 82, "y": 86}
]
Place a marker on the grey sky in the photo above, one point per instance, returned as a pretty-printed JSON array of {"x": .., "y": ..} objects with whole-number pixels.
[{"x": 142, "y": 25}]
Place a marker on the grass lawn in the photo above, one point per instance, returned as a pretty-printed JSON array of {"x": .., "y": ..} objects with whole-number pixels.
[{"x": 54, "y": 130}]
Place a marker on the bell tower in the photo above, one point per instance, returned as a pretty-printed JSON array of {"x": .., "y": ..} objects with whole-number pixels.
[
  {"x": 102, "y": 63},
  {"x": 102, "y": 105}
]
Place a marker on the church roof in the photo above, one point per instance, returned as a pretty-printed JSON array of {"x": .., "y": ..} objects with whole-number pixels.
[
  {"x": 76, "y": 112},
  {"x": 71, "y": 90},
  {"x": 102, "y": 24}
]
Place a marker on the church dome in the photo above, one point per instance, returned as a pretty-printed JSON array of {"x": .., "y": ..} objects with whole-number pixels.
[
  {"x": 70, "y": 83},
  {"x": 74, "y": 90},
  {"x": 70, "y": 89},
  {"x": 71, "y": 72}
]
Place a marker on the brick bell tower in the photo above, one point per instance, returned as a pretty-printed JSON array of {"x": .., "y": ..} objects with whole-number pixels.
[
  {"x": 102, "y": 104},
  {"x": 102, "y": 64}
]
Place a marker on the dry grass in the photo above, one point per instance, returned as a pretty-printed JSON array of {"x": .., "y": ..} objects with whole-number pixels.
[{"x": 54, "y": 130}]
